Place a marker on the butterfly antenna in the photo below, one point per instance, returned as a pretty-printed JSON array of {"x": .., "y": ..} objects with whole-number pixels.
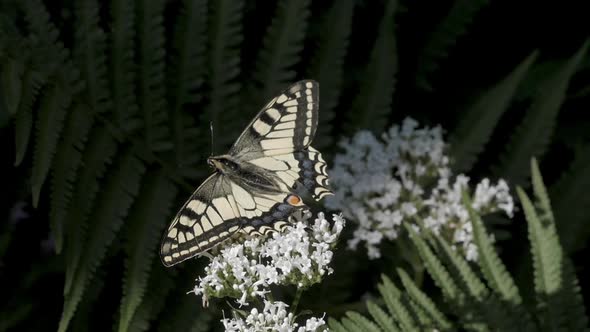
[{"x": 211, "y": 128}]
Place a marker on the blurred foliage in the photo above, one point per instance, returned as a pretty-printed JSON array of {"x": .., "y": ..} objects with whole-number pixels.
[{"x": 106, "y": 107}]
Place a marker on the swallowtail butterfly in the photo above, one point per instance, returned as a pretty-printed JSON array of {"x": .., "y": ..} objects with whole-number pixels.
[{"x": 253, "y": 188}]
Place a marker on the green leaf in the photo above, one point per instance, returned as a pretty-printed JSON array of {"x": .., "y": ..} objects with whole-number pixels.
[
  {"x": 99, "y": 152},
  {"x": 224, "y": 60},
  {"x": 90, "y": 55},
  {"x": 185, "y": 76},
  {"x": 435, "y": 268},
  {"x": 573, "y": 309},
  {"x": 146, "y": 223},
  {"x": 492, "y": 267},
  {"x": 424, "y": 301},
  {"x": 469, "y": 279},
  {"x": 122, "y": 71},
  {"x": 11, "y": 84},
  {"x": 52, "y": 113},
  {"x": 351, "y": 325},
  {"x": 532, "y": 136},
  {"x": 65, "y": 169},
  {"x": 114, "y": 202},
  {"x": 362, "y": 322},
  {"x": 385, "y": 321},
  {"x": 336, "y": 326},
  {"x": 327, "y": 65},
  {"x": 572, "y": 190},
  {"x": 372, "y": 106},
  {"x": 392, "y": 297},
  {"x": 280, "y": 51},
  {"x": 444, "y": 37},
  {"x": 478, "y": 122},
  {"x": 547, "y": 263},
  {"x": 160, "y": 284},
  {"x": 151, "y": 78},
  {"x": 31, "y": 86}
]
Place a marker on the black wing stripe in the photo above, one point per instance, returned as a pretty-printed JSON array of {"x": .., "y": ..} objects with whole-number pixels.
[
  {"x": 288, "y": 123},
  {"x": 313, "y": 173}
]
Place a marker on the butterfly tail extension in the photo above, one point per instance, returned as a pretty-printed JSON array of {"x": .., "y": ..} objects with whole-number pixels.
[{"x": 314, "y": 175}]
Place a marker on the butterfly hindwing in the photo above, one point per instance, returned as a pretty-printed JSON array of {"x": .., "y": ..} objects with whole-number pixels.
[
  {"x": 287, "y": 123},
  {"x": 306, "y": 168},
  {"x": 218, "y": 209}
]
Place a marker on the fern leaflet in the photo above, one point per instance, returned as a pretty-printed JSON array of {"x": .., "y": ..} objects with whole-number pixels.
[{"x": 476, "y": 126}]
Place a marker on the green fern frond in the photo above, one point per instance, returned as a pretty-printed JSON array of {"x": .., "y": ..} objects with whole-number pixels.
[
  {"x": 160, "y": 284},
  {"x": 336, "y": 326},
  {"x": 574, "y": 310},
  {"x": 444, "y": 37},
  {"x": 90, "y": 55},
  {"x": 351, "y": 325},
  {"x": 11, "y": 83},
  {"x": 540, "y": 191},
  {"x": 421, "y": 299},
  {"x": 52, "y": 114},
  {"x": 373, "y": 104},
  {"x": 392, "y": 297},
  {"x": 65, "y": 168},
  {"x": 280, "y": 51},
  {"x": 494, "y": 271},
  {"x": 185, "y": 77},
  {"x": 572, "y": 223},
  {"x": 482, "y": 304},
  {"x": 99, "y": 152},
  {"x": 87, "y": 308},
  {"x": 31, "y": 87},
  {"x": 114, "y": 202},
  {"x": 532, "y": 136},
  {"x": 327, "y": 65},
  {"x": 45, "y": 41},
  {"x": 547, "y": 264},
  {"x": 477, "y": 124},
  {"x": 122, "y": 65},
  {"x": 145, "y": 226},
  {"x": 384, "y": 320},
  {"x": 224, "y": 60},
  {"x": 436, "y": 269},
  {"x": 58, "y": 97},
  {"x": 461, "y": 268},
  {"x": 151, "y": 77}
]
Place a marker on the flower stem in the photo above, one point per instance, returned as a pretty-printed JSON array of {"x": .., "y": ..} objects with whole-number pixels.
[{"x": 296, "y": 300}]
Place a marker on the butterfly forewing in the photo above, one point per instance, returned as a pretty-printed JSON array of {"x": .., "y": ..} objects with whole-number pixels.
[
  {"x": 206, "y": 219},
  {"x": 288, "y": 123}
]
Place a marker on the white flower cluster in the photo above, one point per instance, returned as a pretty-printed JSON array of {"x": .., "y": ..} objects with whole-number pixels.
[
  {"x": 274, "y": 317},
  {"x": 405, "y": 177},
  {"x": 298, "y": 256}
]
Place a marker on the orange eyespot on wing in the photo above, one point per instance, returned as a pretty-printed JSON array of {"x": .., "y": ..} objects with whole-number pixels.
[{"x": 294, "y": 200}]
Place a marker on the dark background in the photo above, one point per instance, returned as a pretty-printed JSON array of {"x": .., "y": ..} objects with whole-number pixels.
[{"x": 476, "y": 44}]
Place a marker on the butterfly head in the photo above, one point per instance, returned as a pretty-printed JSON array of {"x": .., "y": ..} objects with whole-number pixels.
[{"x": 223, "y": 163}]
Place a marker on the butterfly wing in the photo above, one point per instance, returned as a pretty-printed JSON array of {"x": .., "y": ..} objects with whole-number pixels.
[
  {"x": 218, "y": 209},
  {"x": 287, "y": 123}
]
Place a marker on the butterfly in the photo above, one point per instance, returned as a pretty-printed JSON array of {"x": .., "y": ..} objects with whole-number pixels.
[{"x": 253, "y": 189}]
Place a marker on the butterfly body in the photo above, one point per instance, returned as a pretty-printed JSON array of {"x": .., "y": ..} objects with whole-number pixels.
[
  {"x": 252, "y": 190},
  {"x": 256, "y": 178}
]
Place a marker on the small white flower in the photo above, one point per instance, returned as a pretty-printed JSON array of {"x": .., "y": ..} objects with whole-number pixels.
[
  {"x": 405, "y": 177},
  {"x": 274, "y": 317},
  {"x": 294, "y": 257}
]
